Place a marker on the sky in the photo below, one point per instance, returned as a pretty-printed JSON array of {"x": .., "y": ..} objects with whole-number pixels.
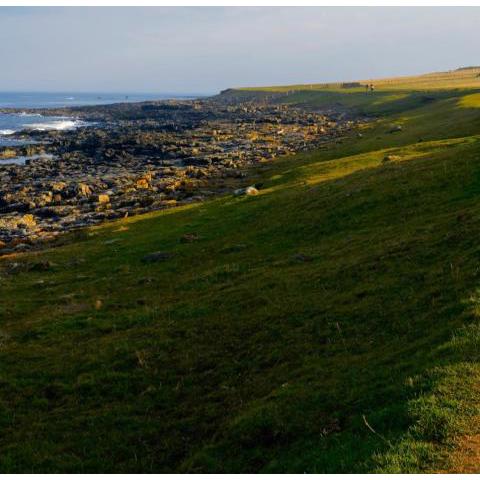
[{"x": 207, "y": 49}]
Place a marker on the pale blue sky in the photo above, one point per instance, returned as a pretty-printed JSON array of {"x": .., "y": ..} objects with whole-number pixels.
[{"x": 183, "y": 50}]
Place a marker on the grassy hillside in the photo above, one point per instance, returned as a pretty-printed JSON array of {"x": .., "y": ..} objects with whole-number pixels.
[
  {"x": 468, "y": 77},
  {"x": 329, "y": 324},
  {"x": 391, "y": 95}
]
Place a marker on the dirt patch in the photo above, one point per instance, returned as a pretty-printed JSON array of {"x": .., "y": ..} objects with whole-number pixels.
[{"x": 466, "y": 458}]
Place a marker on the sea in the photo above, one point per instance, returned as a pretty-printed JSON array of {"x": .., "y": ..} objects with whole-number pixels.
[{"x": 11, "y": 123}]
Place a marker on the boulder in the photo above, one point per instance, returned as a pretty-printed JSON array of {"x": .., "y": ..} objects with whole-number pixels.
[
  {"x": 395, "y": 128},
  {"x": 301, "y": 257},
  {"x": 142, "y": 183},
  {"x": 246, "y": 191},
  {"x": 103, "y": 198},
  {"x": 28, "y": 221},
  {"x": 157, "y": 257},
  {"x": 234, "y": 248},
  {"x": 58, "y": 186},
  {"x": 41, "y": 266},
  {"x": 21, "y": 247},
  {"x": 189, "y": 238},
  {"x": 46, "y": 197},
  {"x": 84, "y": 190},
  {"x": 390, "y": 158}
]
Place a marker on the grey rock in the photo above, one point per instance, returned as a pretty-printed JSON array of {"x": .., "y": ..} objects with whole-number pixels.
[{"x": 157, "y": 257}]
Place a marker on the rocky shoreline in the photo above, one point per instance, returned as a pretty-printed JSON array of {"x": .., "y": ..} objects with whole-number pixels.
[{"x": 134, "y": 158}]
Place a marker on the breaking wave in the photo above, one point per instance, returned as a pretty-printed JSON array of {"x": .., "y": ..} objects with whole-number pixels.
[
  {"x": 25, "y": 114},
  {"x": 55, "y": 125}
]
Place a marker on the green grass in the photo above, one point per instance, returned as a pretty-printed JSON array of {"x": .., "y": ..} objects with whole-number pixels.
[
  {"x": 347, "y": 292},
  {"x": 455, "y": 79},
  {"x": 391, "y": 95}
]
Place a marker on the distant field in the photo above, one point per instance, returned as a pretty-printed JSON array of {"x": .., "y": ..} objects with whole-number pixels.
[
  {"x": 390, "y": 95},
  {"x": 461, "y": 78},
  {"x": 329, "y": 324}
]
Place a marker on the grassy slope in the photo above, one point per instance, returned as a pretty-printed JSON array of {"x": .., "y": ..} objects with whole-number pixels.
[
  {"x": 468, "y": 77},
  {"x": 392, "y": 95},
  {"x": 238, "y": 354}
]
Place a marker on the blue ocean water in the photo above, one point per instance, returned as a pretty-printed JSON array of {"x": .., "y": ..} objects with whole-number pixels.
[
  {"x": 10, "y": 123},
  {"x": 63, "y": 99}
]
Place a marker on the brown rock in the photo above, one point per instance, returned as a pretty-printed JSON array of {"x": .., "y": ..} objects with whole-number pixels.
[
  {"x": 28, "y": 220},
  {"x": 83, "y": 189},
  {"x": 58, "y": 186},
  {"x": 390, "y": 158},
  {"x": 103, "y": 198},
  {"x": 189, "y": 238},
  {"x": 142, "y": 183}
]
